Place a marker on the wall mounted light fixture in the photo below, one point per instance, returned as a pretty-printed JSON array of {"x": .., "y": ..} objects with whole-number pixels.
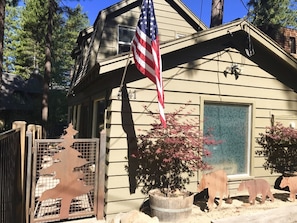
[{"x": 233, "y": 70}]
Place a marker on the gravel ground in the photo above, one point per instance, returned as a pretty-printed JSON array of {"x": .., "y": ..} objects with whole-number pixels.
[
  {"x": 239, "y": 207},
  {"x": 238, "y": 211}
]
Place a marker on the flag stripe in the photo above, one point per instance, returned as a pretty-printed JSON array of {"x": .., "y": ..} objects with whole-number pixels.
[
  {"x": 146, "y": 51},
  {"x": 143, "y": 57}
]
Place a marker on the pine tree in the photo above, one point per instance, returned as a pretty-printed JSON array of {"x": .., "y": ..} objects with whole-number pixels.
[
  {"x": 29, "y": 54},
  {"x": 11, "y": 40},
  {"x": 67, "y": 23},
  {"x": 64, "y": 38},
  {"x": 31, "y": 44},
  {"x": 2, "y": 25},
  {"x": 271, "y": 15}
]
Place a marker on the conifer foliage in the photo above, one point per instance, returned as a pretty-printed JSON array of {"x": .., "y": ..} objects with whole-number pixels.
[{"x": 271, "y": 15}]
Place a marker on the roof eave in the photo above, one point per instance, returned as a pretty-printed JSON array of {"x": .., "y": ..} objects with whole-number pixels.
[{"x": 208, "y": 35}]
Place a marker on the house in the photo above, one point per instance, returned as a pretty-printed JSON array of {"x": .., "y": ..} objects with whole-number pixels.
[
  {"x": 237, "y": 78},
  {"x": 288, "y": 40},
  {"x": 19, "y": 99}
]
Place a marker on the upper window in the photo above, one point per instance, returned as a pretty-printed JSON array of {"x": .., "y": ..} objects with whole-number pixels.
[
  {"x": 125, "y": 36},
  {"x": 293, "y": 44},
  {"x": 231, "y": 124}
]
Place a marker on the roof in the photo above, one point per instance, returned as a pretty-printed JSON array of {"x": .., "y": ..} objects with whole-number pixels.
[
  {"x": 178, "y": 5},
  {"x": 16, "y": 91},
  {"x": 117, "y": 9},
  {"x": 239, "y": 31}
]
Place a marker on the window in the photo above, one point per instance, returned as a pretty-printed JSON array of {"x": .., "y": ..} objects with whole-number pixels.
[
  {"x": 231, "y": 124},
  {"x": 98, "y": 118},
  {"x": 83, "y": 121},
  {"x": 125, "y": 36},
  {"x": 75, "y": 116},
  {"x": 293, "y": 44}
]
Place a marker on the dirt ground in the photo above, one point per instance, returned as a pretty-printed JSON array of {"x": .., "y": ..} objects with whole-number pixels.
[{"x": 239, "y": 207}]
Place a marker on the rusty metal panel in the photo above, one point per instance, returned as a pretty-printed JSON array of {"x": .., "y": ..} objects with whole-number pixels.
[{"x": 64, "y": 185}]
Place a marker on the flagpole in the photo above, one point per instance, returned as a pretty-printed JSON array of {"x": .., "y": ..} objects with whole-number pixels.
[{"x": 125, "y": 71}]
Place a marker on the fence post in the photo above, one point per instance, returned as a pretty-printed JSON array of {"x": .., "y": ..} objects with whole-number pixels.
[
  {"x": 32, "y": 128},
  {"x": 101, "y": 177},
  {"x": 29, "y": 136},
  {"x": 22, "y": 126},
  {"x": 38, "y": 131}
]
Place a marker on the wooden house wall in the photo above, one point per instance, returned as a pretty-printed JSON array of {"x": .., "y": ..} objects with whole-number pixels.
[
  {"x": 196, "y": 81},
  {"x": 168, "y": 30}
]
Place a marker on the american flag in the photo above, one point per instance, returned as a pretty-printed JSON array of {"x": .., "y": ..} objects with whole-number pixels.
[{"x": 146, "y": 51}]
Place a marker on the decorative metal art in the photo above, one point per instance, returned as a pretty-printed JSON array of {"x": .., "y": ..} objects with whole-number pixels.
[
  {"x": 64, "y": 182},
  {"x": 71, "y": 183}
]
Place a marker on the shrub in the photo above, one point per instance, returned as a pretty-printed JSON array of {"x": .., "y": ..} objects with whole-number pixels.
[
  {"x": 167, "y": 158},
  {"x": 279, "y": 147}
]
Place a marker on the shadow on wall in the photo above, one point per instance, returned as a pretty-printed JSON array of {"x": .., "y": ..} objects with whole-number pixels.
[{"x": 128, "y": 127}]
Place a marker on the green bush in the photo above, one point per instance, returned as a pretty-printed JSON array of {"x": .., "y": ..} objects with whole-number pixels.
[{"x": 279, "y": 147}]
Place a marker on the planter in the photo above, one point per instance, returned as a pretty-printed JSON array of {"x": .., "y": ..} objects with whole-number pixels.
[{"x": 173, "y": 209}]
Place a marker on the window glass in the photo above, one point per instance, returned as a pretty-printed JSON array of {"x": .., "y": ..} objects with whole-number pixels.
[
  {"x": 293, "y": 44},
  {"x": 231, "y": 124},
  {"x": 98, "y": 118},
  {"x": 126, "y": 35}
]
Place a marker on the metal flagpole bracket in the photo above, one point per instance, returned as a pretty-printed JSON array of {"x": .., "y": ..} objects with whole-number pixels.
[{"x": 125, "y": 71}]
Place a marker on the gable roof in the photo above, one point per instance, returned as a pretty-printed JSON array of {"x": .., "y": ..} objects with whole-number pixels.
[
  {"x": 268, "y": 54},
  {"x": 178, "y": 5},
  {"x": 95, "y": 32},
  {"x": 120, "y": 7}
]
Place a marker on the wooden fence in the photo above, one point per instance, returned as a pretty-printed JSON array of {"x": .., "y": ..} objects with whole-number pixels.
[
  {"x": 11, "y": 196},
  {"x": 19, "y": 181}
]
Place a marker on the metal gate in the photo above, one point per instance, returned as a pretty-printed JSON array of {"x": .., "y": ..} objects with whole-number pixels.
[{"x": 64, "y": 179}]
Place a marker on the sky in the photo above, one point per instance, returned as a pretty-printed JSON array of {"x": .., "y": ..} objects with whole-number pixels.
[{"x": 233, "y": 9}]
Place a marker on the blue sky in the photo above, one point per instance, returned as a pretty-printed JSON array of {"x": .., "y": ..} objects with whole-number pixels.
[{"x": 233, "y": 9}]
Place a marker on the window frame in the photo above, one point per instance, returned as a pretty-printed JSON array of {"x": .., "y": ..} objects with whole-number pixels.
[
  {"x": 123, "y": 43},
  {"x": 95, "y": 133},
  {"x": 292, "y": 44},
  {"x": 250, "y": 141}
]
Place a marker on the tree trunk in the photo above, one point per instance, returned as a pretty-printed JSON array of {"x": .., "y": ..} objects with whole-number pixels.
[
  {"x": 2, "y": 18},
  {"x": 47, "y": 70},
  {"x": 217, "y": 13}
]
